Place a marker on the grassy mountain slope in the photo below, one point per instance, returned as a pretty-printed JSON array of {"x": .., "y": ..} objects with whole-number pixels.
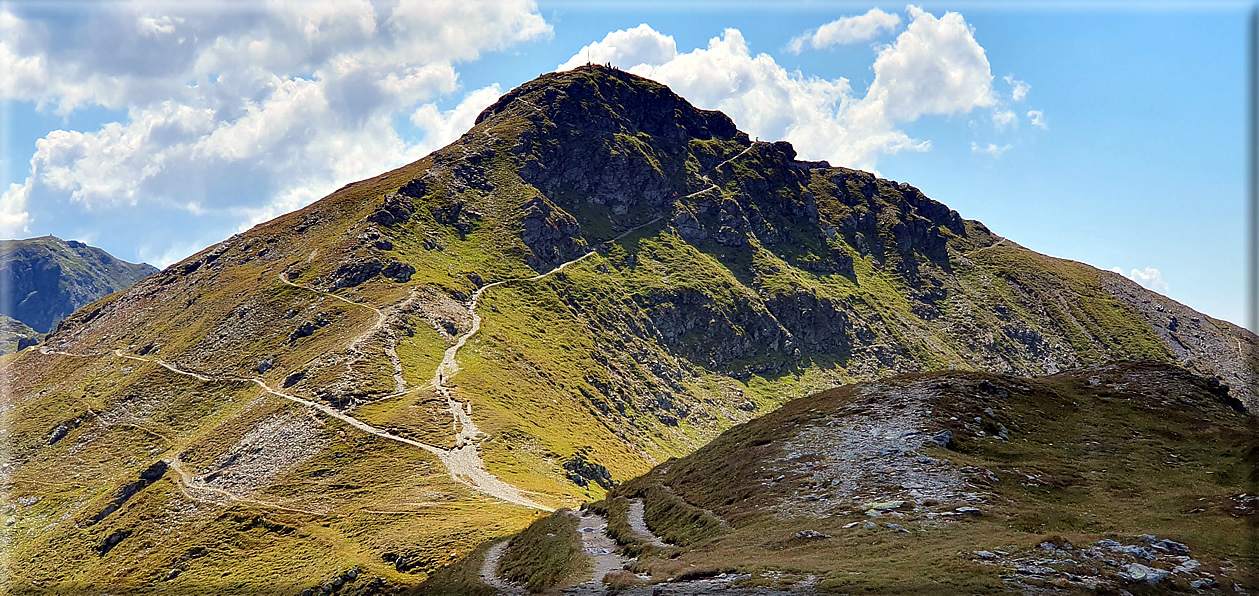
[
  {"x": 858, "y": 489},
  {"x": 739, "y": 278},
  {"x": 47, "y": 278}
]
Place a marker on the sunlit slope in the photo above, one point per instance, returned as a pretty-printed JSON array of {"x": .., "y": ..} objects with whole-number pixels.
[{"x": 646, "y": 277}]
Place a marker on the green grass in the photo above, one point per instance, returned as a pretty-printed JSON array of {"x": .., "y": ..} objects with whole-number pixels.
[
  {"x": 644, "y": 352},
  {"x": 547, "y": 554},
  {"x": 1102, "y": 456}
]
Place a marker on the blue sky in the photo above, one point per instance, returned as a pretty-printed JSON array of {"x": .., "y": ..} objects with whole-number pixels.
[{"x": 1113, "y": 136}]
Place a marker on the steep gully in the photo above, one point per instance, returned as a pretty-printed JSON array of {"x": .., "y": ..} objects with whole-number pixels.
[{"x": 463, "y": 462}]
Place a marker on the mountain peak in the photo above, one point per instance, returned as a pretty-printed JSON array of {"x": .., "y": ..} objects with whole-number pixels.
[
  {"x": 603, "y": 98},
  {"x": 598, "y": 276}
]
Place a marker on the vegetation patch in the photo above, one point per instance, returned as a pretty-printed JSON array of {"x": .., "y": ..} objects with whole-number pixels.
[{"x": 546, "y": 554}]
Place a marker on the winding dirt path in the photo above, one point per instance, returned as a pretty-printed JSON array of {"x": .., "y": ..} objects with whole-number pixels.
[
  {"x": 463, "y": 462},
  {"x": 463, "y": 469},
  {"x": 188, "y": 485},
  {"x": 489, "y": 571},
  {"x": 596, "y": 543},
  {"x": 391, "y": 351},
  {"x": 465, "y": 458},
  {"x": 639, "y": 525}
]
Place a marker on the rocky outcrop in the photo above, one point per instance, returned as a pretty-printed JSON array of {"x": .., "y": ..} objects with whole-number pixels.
[
  {"x": 356, "y": 272},
  {"x": 396, "y": 209},
  {"x": 552, "y": 235},
  {"x": 16, "y": 336},
  {"x": 582, "y": 472}
]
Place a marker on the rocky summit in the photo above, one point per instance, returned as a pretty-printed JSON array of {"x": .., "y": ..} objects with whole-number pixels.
[{"x": 596, "y": 278}]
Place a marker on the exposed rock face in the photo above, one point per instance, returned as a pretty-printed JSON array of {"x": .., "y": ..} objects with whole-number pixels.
[
  {"x": 357, "y": 272},
  {"x": 398, "y": 271},
  {"x": 552, "y": 235},
  {"x": 48, "y": 278},
  {"x": 582, "y": 472},
  {"x": 396, "y": 209}
]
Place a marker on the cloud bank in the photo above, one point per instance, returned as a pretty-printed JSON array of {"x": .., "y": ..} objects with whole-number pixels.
[
  {"x": 239, "y": 113},
  {"x": 846, "y": 30}
]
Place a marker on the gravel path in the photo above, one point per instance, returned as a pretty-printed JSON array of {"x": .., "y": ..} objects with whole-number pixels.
[
  {"x": 489, "y": 571},
  {"x": 639, "y": 525},
  {"x": 463, "y": 463},
  {"x": 596, "y": 543},
  {"x": 464, "y": 460}
]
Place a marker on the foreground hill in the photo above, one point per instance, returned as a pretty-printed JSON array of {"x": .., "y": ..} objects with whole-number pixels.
[
  {"x": 1126, "y": 476},
  {"x": 595, "y": 278},
  {"x": 47, "y": 278}
]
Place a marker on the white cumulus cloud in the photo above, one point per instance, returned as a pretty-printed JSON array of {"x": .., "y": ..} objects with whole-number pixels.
[
  {"x": 627, "y": 48},
  {"x": 1004, "y": 118},
  {"x": 1150, "y": 278},
  {"x": 240, "y": 112},
  {"x": 934, "y": 67},
  {"x": 846, "y": 30},
  {"x": 447, "y": 125}
]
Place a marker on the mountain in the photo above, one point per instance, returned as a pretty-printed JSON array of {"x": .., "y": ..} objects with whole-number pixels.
[
  {"x": 1124, "y": 476},
  {"x": 596, "y": 277},
  {"x": 47, "y": 278}
]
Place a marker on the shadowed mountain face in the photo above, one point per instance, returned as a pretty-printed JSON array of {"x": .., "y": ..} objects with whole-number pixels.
[
  {"x": 47, "y": 278},
  {"x": 596, "y": 277}
]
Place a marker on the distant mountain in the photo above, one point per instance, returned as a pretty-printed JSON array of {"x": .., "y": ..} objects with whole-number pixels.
[
  {"x": 596, "y": 277},
  {"x": 47, "y": 278}
]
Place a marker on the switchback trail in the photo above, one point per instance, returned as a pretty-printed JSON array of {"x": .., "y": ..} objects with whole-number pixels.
[
  {"x": 463, "y": 461},
  {"x": 461, "y": 468},
  {"x": 391, "y": 350},
  {"x": 465, "y": 456}
]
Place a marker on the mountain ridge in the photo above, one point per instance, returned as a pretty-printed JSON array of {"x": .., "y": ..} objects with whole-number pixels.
[{"x": 742, "y": 278}]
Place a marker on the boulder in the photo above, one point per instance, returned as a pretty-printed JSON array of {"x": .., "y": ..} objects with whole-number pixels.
[
  {"x": 811, "y": 534},
  {"x": 1140, "y": 573},
  {"x": 942, "y": 438},
  {"x": 1167, "y": 546},
  {"x": 398, "y": 271}
]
